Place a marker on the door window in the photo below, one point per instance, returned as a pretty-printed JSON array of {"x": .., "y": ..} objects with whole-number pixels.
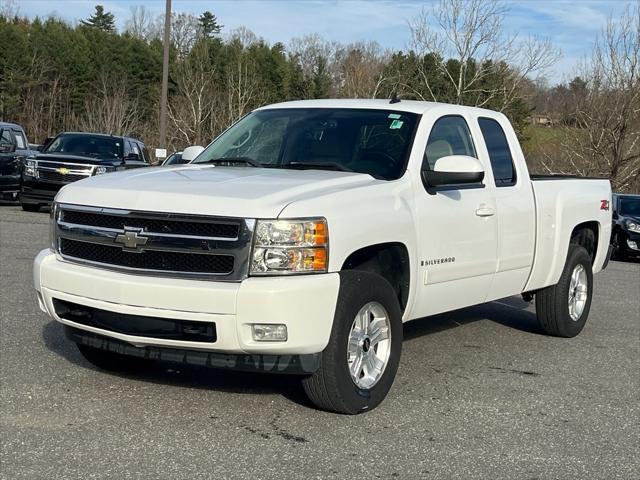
[
  {"x": 504, "y": 173},
  {"x": 450, "y": 135}
]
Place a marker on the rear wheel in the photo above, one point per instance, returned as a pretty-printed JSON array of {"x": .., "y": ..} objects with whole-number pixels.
[
  {"x": 562, "y": 309},
  {"x": 360, "y": 362},
  {"x": 110, "y": 361}
]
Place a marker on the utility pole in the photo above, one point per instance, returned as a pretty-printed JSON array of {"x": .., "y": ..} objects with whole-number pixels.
[{"x": 165, "y": 76}]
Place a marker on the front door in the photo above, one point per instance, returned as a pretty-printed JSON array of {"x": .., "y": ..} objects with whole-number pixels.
[{"x": 457, "y": 229}]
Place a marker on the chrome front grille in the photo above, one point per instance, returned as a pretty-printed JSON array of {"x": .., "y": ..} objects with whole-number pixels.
[
  {"x": 62, "y": 172},
  {"x": 155, "y": 243}
]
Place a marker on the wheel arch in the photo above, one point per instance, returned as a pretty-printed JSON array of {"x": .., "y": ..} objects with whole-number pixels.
[
  {"x": 587, "y": 235},
  {"x": 390, "y": 260}
]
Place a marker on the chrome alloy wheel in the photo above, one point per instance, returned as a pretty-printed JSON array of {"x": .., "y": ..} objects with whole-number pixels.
[
  {"x": 369, "y": 345},
  {"x": 578, "y": 292}
]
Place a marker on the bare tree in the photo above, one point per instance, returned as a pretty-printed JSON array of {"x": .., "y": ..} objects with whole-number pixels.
[
  {"x": 141, "y": 24},
  {"x": 242, "y": 88},
  {"x": 471, "y": 32},
  {"x": 310, "y": 50},
  {"x": 111, "y": 109},
  {"x": 9, "y": 8},
  {"x": 607, "y": 141},
  {"x": 191, "y": 109},
  {"x": 359, "y": 70}
]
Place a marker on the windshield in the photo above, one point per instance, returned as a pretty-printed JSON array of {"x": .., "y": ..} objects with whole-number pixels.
[
  {"x": 630, "y": 207},
  {"x": 94, "y": 145},
  {"x": 376, "y": 142}
]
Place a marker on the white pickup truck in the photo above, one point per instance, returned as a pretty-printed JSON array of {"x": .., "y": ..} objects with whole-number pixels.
[{"x": 302, "y": 238}]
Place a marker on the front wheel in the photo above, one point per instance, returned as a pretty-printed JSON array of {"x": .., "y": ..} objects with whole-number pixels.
[
  {"x": 30, "y": 207},
  {"x": 562, "y": 309},
  {"x": 358, "y": 366}
]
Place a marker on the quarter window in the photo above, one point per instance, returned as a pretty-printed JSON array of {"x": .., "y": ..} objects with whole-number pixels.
[
  {"x": 450, "y": 135},
  {"x": 504, "y": 173}
]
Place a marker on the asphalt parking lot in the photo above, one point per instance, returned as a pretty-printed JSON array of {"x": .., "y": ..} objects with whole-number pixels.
[{"x": 480, "y": 393}]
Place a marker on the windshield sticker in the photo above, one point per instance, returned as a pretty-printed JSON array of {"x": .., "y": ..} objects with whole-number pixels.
[
  {"x": 396, "y": 124},
  {"x": 394, "y": 115}
]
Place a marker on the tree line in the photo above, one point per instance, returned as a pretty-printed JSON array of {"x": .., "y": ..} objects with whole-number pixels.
[{"x": 55, "y": 76}]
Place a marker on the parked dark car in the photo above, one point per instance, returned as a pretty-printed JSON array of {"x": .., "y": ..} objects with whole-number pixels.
[
  {"x": 174, "y": 159},
  {"x": 625, "y": 235},
  {"x": 73, "y": 156},
  {"x": 14, "y": 148}
]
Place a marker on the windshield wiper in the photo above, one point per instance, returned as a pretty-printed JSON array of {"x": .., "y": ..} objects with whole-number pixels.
[
  {"x": 316, "y": 166},
  {"x": 233, "y": 161}
]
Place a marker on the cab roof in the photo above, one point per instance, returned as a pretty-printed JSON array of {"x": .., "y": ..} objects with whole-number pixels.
[{"x": 412, "y": 106}]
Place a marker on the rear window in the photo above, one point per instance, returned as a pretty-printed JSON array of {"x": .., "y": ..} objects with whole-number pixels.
[{"x": 504, "y": 173}]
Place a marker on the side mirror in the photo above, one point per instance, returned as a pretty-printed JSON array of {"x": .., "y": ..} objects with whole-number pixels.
[
  {"x": 132, "y": 157},
  {"x": 190, "y": 153},
  {"x": 615, "y": 215},
  {"x": 453, "y": 170}
]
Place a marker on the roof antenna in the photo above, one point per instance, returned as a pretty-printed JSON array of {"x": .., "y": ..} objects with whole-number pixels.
[{"x": 394, "y": 98}]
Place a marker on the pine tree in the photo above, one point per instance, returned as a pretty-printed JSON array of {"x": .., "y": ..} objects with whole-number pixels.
[
  {"x": 101, "y": 20},
  {"x": 209, "y": 24}
]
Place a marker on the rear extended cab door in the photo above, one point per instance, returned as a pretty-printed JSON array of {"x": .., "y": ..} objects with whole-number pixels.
[{"x": 499, "y": 150}]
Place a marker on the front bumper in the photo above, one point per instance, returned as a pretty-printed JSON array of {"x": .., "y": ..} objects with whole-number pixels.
[
  {"x": 629, "y": 244},
  {"x": 39, "y": 193},
  {"x": 9, "y": 183},
  {"x": 305, "y": 304}
]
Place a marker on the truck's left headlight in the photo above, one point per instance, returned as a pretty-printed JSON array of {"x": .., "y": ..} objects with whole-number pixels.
[
  {"x": 29, "y": 168},
  {"x": 633, "y": 227},
  {"x": 284, "y": 247},
  {"x": 53, "y": 220},
  {"x": 102, "y": 169}
]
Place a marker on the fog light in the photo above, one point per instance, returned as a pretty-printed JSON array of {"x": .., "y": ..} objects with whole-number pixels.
[
  {"x": 633, "y": 245},
  {"x": 269, "y": 332}
]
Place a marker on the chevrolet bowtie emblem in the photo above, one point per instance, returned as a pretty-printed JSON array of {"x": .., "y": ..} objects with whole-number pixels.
[
  {"x": 63, "y": 170},
  {"x": 131, "y": 239}
]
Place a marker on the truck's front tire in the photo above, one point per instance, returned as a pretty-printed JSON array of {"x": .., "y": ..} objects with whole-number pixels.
[
  {"x": 562, "y": 309},
  {"x": 30, "y": 207},
  {"x": 358, "y": 366},
  {"x": 110, "y": 361}
]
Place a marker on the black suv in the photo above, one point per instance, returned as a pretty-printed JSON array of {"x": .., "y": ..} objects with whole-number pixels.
[
  {"x": 73, "y": 156},
  {"x": 14, "y": 148},
  {"x": 625, "y": 236}
]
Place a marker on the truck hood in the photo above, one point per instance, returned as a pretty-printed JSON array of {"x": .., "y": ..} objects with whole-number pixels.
[{"x": 208, "y": 190}]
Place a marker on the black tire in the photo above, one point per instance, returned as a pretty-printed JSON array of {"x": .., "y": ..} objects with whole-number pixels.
[
  {"x": 110, "y": 361},
  {"x": 30, "y": 207},
  {"x": 552, "y": 305},
  {"x": 331, "y": 387}
]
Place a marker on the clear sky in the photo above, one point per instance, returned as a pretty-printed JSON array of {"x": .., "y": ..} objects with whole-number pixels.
[{"x": 570, "y": 24}]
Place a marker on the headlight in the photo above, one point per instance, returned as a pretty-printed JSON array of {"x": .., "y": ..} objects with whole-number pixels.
[
  {"x": 53, "y": 219},
  {"x": 102, "y": 169},
  {"x": 633, "y": 227},
  {"x": 29, "y": 168},
  {"x": 290, "y": 246}
]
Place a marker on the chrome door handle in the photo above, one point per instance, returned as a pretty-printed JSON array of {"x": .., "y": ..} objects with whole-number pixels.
[{"x": 484, "y": 211}]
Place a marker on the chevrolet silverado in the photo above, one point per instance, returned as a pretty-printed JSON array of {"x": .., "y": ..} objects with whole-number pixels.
[{"x": 302, "y": 238}]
